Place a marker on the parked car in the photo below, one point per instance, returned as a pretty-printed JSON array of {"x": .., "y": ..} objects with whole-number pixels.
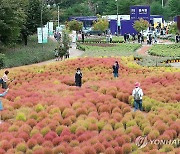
[{"x": 89, "y": 31}]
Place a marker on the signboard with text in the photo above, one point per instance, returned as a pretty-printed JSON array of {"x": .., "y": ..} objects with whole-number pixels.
[
  {"x": 50, "y": 26},
  {"x": 42, "y": 34},
  {"x": 137, "y": 12}
]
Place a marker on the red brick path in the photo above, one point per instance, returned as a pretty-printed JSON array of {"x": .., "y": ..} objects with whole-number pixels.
[{"x": 144, "y": 50}]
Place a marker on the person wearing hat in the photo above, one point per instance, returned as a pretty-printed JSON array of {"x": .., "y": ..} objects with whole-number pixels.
[
  {"x": 78, "y": 78},
  {"x": 137, "y": 94}
]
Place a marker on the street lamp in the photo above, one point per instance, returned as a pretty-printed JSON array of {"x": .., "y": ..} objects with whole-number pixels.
[
  {"x": 117, "y": 15},
  {"x": 162, "y": 3},
  {"x": 54, "y": 5}
]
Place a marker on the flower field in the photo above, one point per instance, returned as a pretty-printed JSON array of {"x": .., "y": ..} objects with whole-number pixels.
[{"x": 44, "y": 113}]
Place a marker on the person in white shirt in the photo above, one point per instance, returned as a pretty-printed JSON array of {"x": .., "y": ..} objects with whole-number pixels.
[
  {"x": 5, "y": 79},
  {"x": 137, "y": 94}
]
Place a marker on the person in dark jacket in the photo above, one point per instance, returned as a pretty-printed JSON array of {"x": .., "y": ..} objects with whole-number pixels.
[
  {"x": 78, "y": 78},
  {"x": 139, "y": 37},
  {"x": 116, "y": 69},
  {"x": 125, "y": 37},
  {"x": 82, "y": 37}
]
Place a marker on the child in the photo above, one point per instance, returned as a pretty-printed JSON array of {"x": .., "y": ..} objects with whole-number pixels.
[
  {"x": 5, "y": 79},
  {"x": 78, "y": 78},
  {"x": 1, "y": 106}
]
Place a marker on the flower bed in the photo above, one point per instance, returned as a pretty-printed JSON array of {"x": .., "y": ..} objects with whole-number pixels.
[{"x": 45, "y": 113}]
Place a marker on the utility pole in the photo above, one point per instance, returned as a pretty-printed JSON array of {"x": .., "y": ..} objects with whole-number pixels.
[
  {"x": 58, "y": 15},
  {"x": 117, "y": 15},
  {"x": 162, "y": 3},
  {"x": 42, "y": 21}
]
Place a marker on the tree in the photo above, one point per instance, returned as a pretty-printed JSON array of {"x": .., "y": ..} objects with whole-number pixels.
[
  {"x": 101, "y": 24},
  {"x": 156, "y": 8},
  {"x": 12, "y": 17},
  {"x": 141, "y": 25},
  {"x": 33, "y": 20},
  {"x": 75, "y": 25},
  {"x": 174, "y": 6},
  {"x": 173, "y": 29}
]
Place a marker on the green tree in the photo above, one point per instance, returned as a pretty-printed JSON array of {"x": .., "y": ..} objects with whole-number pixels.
[
  {"x": 101, "y": 24},
  {"x": 12, "y": 17},
  {"x": 173, "y": 29},
  {"x": 156, "y": 8},
  {"x": 33, "y": 20},
  {"x": 174, "y": 6},
  {"x": 141, "y": 25},
  {"x": 75, "y": 25}
]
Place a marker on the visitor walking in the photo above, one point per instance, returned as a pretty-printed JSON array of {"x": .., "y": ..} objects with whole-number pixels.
[
  {"x": 133, "y": 37},
  {"x": 139, "y": 37},
  {"x": 78, "y": 78},
  {"x": 137, "y": 94},
  {"x": 177, "y": 38},
  {"x": 116, "y": 69},
  {"x": 82, "y": 37},
  {"x": 56, "y": 54},
  {"x": 111, "y": 38},
  {"x": 125, "y": 37},
  {"x": 1, "y": 106},
  {"x": 142, "y": 38},
  {"x": 67, "y": 54}
]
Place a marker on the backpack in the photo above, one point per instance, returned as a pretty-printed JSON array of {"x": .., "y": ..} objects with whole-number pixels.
[{"x": 137, "y": 95}]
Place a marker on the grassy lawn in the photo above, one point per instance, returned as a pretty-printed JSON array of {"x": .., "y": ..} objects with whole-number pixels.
[
  {"x": 172, "y": 50},
  {"x": 113, "y": 50},
  {"x": 32, "y": 53}
]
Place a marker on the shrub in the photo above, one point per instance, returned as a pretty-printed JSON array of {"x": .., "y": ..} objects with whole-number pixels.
[
  {"x": 21, "y": 116},
  {"x": 88, "y": 150},
  {"x": 127, "y": 148},
  {"x": 59, "y": 149},
  {"x": 45, "y": 130},
  {"x": 31, "y": 143},
  {"x": 99, "y": 148},
  {"x": 39, "y": 108},
  {"x": 21, "y": 147},
  {"x": 109, "y": 151}
]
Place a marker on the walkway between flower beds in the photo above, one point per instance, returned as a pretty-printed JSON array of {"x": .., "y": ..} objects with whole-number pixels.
[
  {"x": 144, "y": 50},
  {"x": 73, "y": 54}
]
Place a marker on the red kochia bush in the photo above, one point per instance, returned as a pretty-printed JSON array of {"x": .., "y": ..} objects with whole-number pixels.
[
  {"x": 127, "y": 148},
  {"x": 88, "y": 150},
  {"x": 56, "y": 141},
  {"x": 109, "y": 151},
  {"x": 48, "y": 144},
  {"x": 5, "y": 145},
  {"x": 99, "y": 148},
  {"x": 2, "y": 151},
  {"x": 24, "y": 136},
  {"x": 31, "y": 143},
  {"x": 50, "y": 136}
]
